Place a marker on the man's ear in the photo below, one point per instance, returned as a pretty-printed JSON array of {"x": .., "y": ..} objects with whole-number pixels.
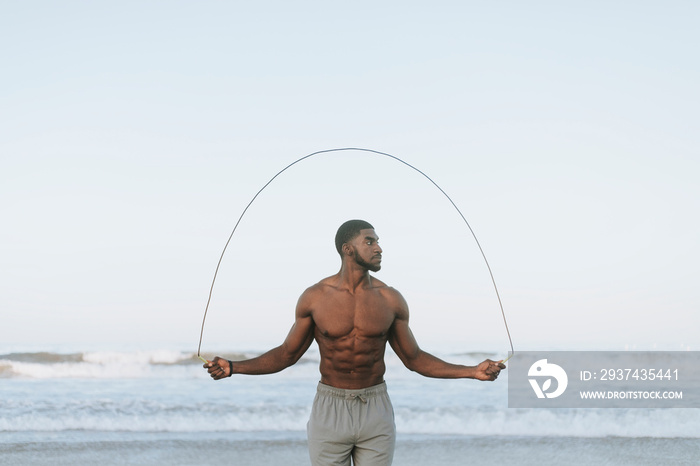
[{"x": 347, "y": 249}]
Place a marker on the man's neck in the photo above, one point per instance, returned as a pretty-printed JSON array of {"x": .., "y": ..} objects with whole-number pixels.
[{"x": 352, "y": 277}]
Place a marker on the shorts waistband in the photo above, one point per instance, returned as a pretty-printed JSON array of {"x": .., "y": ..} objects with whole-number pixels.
[{"x": 362, "y": 394}]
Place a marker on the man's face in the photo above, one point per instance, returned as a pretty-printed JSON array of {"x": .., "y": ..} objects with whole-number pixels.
[{"x": 366, "y": 250}]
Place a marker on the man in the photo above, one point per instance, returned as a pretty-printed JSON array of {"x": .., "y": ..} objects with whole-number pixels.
[{"x": 352, "y": 316}]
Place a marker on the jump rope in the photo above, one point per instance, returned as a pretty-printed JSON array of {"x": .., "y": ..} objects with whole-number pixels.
[{"x": 488, "y": 266}]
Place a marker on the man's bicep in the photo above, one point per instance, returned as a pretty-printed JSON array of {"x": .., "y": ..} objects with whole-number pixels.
[
  {"x": 301, "y": 334},
  {"x": 402, "y": 340}
]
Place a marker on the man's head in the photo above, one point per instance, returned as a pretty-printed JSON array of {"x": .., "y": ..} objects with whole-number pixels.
[
  {"x": 348, "y": 231},
  {"x": 365, "y": 251}
]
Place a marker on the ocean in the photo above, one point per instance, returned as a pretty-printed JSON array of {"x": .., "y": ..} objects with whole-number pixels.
[{"x": 160, "y": 407}]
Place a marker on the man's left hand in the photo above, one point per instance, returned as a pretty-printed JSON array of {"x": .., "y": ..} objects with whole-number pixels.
[{"x": 489, "y": 370}]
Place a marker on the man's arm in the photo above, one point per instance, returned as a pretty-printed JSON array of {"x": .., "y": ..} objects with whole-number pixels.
[
  {"x": 288, "y": 353},
  {"x": 406, "y": 348}
]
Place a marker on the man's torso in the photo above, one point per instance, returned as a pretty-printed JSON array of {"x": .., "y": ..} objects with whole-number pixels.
[{"x": 352, "y": 329}]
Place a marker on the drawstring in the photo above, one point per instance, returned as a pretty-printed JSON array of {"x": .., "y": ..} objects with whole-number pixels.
[
  {"x": 350, "y": 395},
  {"x": 356, "y": 396}
]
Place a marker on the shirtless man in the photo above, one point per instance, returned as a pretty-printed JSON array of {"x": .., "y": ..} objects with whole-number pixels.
[{"x": 352, "y": 316}]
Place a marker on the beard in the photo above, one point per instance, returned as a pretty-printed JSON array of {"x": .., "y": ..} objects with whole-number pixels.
[{"x": 363, "y": 263}]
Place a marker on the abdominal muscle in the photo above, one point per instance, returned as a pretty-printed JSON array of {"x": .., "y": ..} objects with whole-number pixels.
[{"x": 352, "y": 362}]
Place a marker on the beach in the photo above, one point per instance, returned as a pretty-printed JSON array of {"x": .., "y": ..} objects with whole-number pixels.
[
  {"x": 267, "y": 449},
  {"x": 160, "y": 407}
]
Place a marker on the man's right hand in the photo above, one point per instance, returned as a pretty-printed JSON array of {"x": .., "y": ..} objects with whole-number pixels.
[{"x": 218, "y": 368}]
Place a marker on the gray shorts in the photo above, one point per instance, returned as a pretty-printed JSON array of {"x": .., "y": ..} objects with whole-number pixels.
[{"x": 351, "y": 423}]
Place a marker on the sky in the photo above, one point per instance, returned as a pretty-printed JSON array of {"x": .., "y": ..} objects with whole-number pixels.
[{"x": 134, "y": 134}]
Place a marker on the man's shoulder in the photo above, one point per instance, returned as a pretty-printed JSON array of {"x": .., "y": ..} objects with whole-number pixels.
[
  {"x": 329, "y": 285},
  {"x": 322, "y": 286},
  {"x": 377, "y": 283},
  {"x": 383, "y": 287}
]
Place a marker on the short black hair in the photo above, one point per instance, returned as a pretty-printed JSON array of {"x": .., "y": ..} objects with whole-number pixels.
[{"x": 348, "y": 231}]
